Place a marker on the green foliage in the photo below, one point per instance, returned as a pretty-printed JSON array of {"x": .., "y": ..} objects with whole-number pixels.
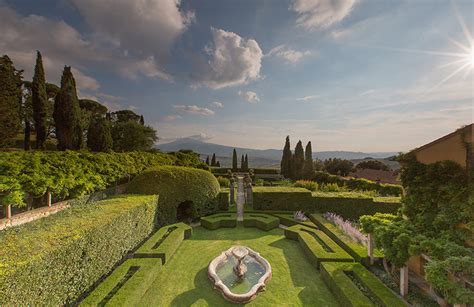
[
  {"x": 338, "y": 166},
  {"x": 308, "y": 162},
  {"x": 99, "y": 135},
  {"x": 223, "y": 200},
  {"x": 223, "y": 182},
  {"x": 93, "y": 107},
  {"x": 10, "y": 101},
  {"x": 317, "y": 245},
  {"x": 285, "y": 164},
  {"x": 297, "y": 162},
  {"x": 213, "y": 161},
  {"x": 261, "y": 221},
  {"x": 354, "y": 285},
  {"x": 306, "y": 184},
  {"x": 51, "y": 261},
  {"x": 281, "y": 198},
  {"x": 176, "y": 185},
  {"x": 123, "y": 116},
  {"x": 216, "y": 221},
  {"x": 67, "y": 113},
  {"x": 246, "y": 163},
  {"x": 39, "y": 100},
  {"x": 372, "y": 164},
  {"x": 73, "y": 174},
  {"x": 131, "y": 135},
  {"x": 234, "y": 160}
]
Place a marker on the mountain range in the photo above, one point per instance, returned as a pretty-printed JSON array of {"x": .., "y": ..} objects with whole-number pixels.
[{"x": 258, "y": 157}]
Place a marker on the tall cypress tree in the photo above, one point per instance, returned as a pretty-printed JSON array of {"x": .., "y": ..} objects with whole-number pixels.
[
  {"x": 10, "y": 101},
  {"x": 99, "y": 135},
  {"x": 67, "y": 114},
  {"x": 242, "y": 163},
  {"x": 207, "y": 161},
  {"x": 213, "y": 161},
  {"x": 39, "y": 99},
  {"x": 234, "y": 160},
  {"x": 286, "y": 159},
  {"x": 246, "y": 162},
  {"x": 308, "y": 162},
  {"x": 298, "y": 161}
]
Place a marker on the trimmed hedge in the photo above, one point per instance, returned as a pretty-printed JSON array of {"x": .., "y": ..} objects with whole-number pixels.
[
  {"x": 262, "y": 221},
  {"x": 177, "y": 185},
  {"x": 51, "y": 261},
  {"x": 164, "y": 243},
  {"x": 281, "y": 198},
  {"x": 317, "y": 245},
  {"x": 288, "y": 220},
  {"x": 352, "y": 208},
  {"x": 356, "y": 250},
  {"x": 353, "y": 285},
  {"x": 126, "y": 285},
  {"x": 223, "y": 200},
  {"x": 216, "y": 221},
  {"x": 256, "y": 171}
]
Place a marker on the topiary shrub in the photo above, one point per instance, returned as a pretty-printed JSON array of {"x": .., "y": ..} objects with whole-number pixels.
[{"x": 176, "y": 185}]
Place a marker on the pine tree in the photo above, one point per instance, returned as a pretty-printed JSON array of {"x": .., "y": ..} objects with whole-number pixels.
[
  {"x": 67, "y": 115},
  {"x": 246, "y": 162},
  {"x": 213, "y": 161},
  {"x": 298, "y": 162},
  {"x": 99, "y": 135},
  {"x": 234, "y": 160},
  {"x": 10, "y": 101},
  {"x": 286, "y": 159},
  {"x": 242, "y": 163},
  {"x": 207, "y": 161},
  {"x": 39, "y": 99},
  {"x": 308, "y": 162}
]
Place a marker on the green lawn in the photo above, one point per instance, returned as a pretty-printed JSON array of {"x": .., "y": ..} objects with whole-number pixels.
[{"x": 183, "y": 280}]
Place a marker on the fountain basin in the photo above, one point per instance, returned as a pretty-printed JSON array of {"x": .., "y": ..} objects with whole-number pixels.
[{"x": 234, "y": 288}]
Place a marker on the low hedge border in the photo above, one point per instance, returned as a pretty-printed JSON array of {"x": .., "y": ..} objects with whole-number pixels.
[
  {"x": 164, "y": 243},
  {"x": 288, "y": 220},
  {"x": 262, "y": 221},
  {"x": 317, "y": 245},
  {"x": 52, "y": 261},
  {"x": 216, "y": 221},
  {"x": 345, "y": 280},
  {"x": 126, "y": 285},
  {"x": 356, "y": 250}
]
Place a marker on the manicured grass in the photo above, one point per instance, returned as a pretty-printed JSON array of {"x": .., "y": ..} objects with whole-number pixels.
[{"x": 183, "y": 280}]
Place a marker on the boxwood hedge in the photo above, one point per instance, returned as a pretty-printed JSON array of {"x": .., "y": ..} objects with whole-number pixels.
[
  {"x": 353, "y": 285},
  {"x": 216, "y": 221},
  {"x": 51, "y": 261},
  {"x": 176, "y": 185},
  {"x": 281, "y": 198},
  {"x": 261, "y": 221}
]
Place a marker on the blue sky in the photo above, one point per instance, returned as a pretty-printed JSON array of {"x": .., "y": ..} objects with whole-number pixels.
[{"x": 359, "y": 75}]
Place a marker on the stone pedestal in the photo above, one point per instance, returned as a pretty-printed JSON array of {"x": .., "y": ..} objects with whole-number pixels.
[
  {"x": 8, "y": 211},
  {"x": 48, "y": 199},
  {"x": 404, "y": 281},
  {"x": 370, "y": 248}
]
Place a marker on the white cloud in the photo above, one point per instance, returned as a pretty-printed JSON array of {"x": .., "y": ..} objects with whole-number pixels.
[
  {"x": 85, "y": 82},
  {"x": 307, "y": 98},
  {"x": 233, "y": 60},
  {"x": 194, "y": 109},
  {"x": 201, "y": 137},
  {"x": 249, "y": 96},
  {"x": 368, "y": 92},
  {"x": 313, "y": 14},
  {"x": 169, "y": 118},
  {"x": 288, "y": 54},
  {"x": 218, "y": 104}
]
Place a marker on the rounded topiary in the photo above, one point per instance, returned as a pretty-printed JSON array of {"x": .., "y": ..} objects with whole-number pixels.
[{"x": 176, "y": 185}]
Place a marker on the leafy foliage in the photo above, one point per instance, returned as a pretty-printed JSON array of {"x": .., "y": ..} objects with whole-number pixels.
[
  {"x": 99, "y": 136},
  {"x": 286, "y": 159},
  {"x": 372, "y": 164},
  {"x": 39, "y": 100},
  {"x": 308, "y": 162},
  {"x": 338, "y": 166},
  {"x": 10, "y": 99},
  {"x": 131, "y": 135}
]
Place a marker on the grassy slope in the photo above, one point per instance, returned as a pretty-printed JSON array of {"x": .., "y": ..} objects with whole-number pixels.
[{"x": 184, "y": 282}]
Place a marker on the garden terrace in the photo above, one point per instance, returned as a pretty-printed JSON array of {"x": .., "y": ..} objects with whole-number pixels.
[
  {"x": 353, "y": 285},
  {"x": 317, "y": 245}
]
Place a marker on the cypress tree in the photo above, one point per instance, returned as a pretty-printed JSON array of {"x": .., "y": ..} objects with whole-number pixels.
[
  {"x": 27, "y": 114},
  {"x": 67, "y": 114},
  {"x": 39, "y": 99},
  {"x": 207, "y": 160},
  {"x": 242, "y": 163},
  {"x": 10, "y": 101},
  {"x": 218, "y": 164},
  {"x": 246, "y": 162},
  {"x": 286, "y": 159},
  {"x": 99, "y": 135},
  {"x": 234, "y": 160},
  {"x": 213, "y": 161},
  {"x": 298, "y": 162},
  {"x": 308, "y": 162}
]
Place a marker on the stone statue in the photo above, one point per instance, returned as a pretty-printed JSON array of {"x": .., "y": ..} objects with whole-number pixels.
[
  {"x": 232, "y": 189},
  {"x": 248, "y": 190}
]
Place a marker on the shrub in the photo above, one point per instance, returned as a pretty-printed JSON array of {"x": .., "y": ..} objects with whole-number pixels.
[
  {"x": 138, "y": 274},
  {"x": 259, "y": 182},
  {"x": 317, "y": 245},
  {"x": 223, "y": 182},
  {"x": 354, "y": 285},
  {"x": 177, "y": 185},
  {"x": 223, "y": 200},
  {"x": 216, "y": 221},
  {"x": 261, "y": 221},
  {"x": 306, "y": 184},
  {"x": 51, "y": 261},
  {"x": 281, "y": 198}
]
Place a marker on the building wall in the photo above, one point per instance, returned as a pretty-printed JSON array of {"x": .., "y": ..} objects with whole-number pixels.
[{"x": 451, "y": 148}]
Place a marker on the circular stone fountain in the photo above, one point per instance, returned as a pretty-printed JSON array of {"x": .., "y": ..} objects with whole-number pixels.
[{"x": 239, "y": 273}]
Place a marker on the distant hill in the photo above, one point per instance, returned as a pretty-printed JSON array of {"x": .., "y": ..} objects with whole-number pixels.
[{"x": 258, "y": 157}]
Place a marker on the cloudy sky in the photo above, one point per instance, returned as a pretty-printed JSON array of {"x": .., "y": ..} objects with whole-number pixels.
[{"x": 361, "y": 75}]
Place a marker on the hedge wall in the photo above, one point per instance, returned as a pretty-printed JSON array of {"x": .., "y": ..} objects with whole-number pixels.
[
  {"x": 216, "y": 221},
  {"x": 281, "y": 198},
  {"x": 261, "y": 221},
  {"x": 53, "y": 260},
  {"x": 176, "y": 185},
  {"x": 223, "y": 200},
  {"x": 70, "y": 174}
]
